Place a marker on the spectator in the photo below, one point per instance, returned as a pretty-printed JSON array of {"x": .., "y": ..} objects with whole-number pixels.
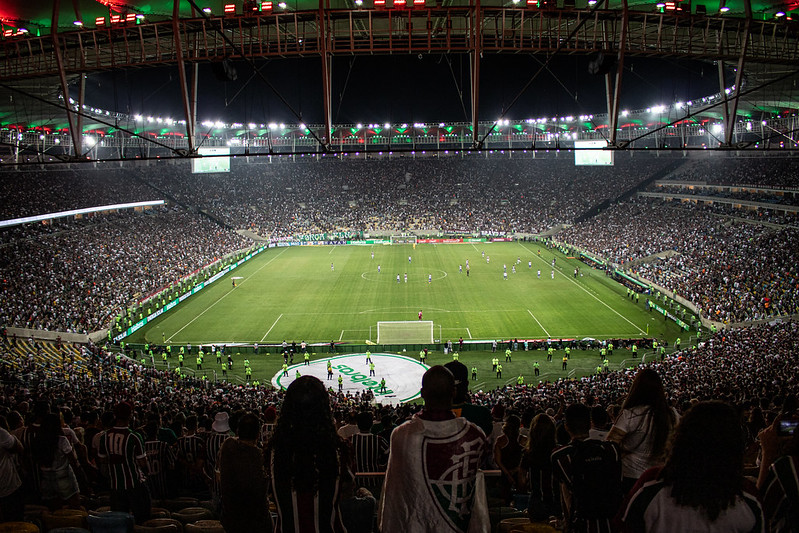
[
  {"x": 778, "y": 480},
  {"x": 308, "y": 462},
  {"x": 370, "y": 451},
  {"x": 508, "y": 456},
  {"x": 57, "y": 462},
  {"x": 12, "y": 502},
  {"x": 243, "y": 481},
  {"x": 435, "y": 458},
  {"x": 702, "y": 486},
  {"x": 537, "y": 465},
  {"x": 123, "y": 450},
  {"x": 589, "y": 472},
  {"x": 642, "y": 429}
]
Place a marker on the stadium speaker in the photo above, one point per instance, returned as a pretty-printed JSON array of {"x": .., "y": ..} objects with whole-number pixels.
[
  {"x": 224, "y": 70},
  {"x": 601, "y": 63}
]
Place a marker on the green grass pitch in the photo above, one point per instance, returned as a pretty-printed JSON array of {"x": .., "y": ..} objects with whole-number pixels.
[{"x": 293, "y": 294}]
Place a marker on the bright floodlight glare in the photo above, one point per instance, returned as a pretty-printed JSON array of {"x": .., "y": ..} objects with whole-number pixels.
[
  {"x": 660, "y": 5},
  {"x": 90, "y": 141},
  {"x": 386, "y": 125},
  {"x": 78, "y": 23},
  {"x": 724, "y": 9},
  {"x": 716, "y": 129},
  {"x": 358, "y": 2},
  {"x": 282, "y": 5},
  {"x": 591, "y": 2},
  {"x": 779, "y": 14},
  {"x": 359, "y": 126},
  {"x": 207, "y": 10},
  {"x": 516, "y": 1}
]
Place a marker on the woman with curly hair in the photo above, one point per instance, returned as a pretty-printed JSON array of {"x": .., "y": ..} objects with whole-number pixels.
[
  {"x": 308, "y": 463},
  {"x": 643, "y": 427},
  {"x": 702, "y": 486}
]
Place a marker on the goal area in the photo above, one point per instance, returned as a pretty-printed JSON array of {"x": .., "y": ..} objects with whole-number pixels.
[
  {"x": 403, "y": 239},
  {"x": 405, "y": 332}
]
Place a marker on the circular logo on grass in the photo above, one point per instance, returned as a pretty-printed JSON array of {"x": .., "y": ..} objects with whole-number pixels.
[{"x": 403, "y": 375}]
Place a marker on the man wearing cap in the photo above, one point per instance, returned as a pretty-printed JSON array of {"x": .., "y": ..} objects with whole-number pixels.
[
  {"x": 123, "y": 450},
  {"x": 477, "y": 414}
]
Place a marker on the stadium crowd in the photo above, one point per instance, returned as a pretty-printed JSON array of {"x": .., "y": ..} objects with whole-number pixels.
[
  {"x": 76, "y": 280},
  {"x": 733, "y": 271},
  {"x": 188, "y": 426},
  {"x": 777, "y": 172}
]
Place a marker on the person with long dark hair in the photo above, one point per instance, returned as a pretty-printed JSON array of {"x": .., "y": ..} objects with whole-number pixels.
[
  {"x": 508, "y": 456},
  {"x": 701, "y": 487},
  {"x": 643, "y": 427},
  {"x": 308, "y": 461},
  {"x": 56, "y": 459},
  {"x": 537, "y": 466}
]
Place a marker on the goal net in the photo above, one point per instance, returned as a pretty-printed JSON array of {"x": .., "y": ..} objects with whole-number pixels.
[
  {"x": 405, "y": 332},
  {"x": 403, "y": 239}
]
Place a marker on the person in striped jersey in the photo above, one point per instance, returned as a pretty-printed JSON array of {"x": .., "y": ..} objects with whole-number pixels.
[
  {"x": 191, "y": 455},
  {"x": 160, "y": 460},
  {"x": 309, "y": 464},
  {"x": 123, "y": 451},
  {"x": 370, "y": 451}
]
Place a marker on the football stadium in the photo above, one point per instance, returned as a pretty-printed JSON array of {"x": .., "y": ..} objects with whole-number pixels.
[{"x": 377, "y": 266}]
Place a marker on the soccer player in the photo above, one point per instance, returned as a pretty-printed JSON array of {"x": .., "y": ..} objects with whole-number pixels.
[
  {"x": 504, "y": 267},
  {"x": 378, "y": 269},
  {"x": 539, "y": 274},
  {"x": 420, "y": 314},
  {"x": 373, "y": 255},
  {"x": 505, "y": 276},
  {"x": 409, "y": 259},
  {"x": 467, "y": 271},
  {"x": 460, "y": 269},
  {"x": 513, "y": 269},
  {"x": 529, "y": 264},
  {"x": 398, "y": 278},
  {"x": 429, "y": 278},
  {"x": 552, "y": 275},
  {"x": 406, "y": 277},
  {"x": 488, "y": 259}
]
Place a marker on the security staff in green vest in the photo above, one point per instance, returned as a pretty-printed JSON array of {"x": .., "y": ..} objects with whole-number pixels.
[
  {"x": 474, "y": 373},
  {"x": 508, "y": 354},
  {"x": 340, "y": 383},
  {"x": 199, "y": 363},
  {"x": 610, "y": 348},
  {"x": 520, "y": 380},
  {"x": 180, "y": 358},
  {"x": 635, "y": 350},
  {"x": 550, "y": 353},
  {"x": 598, "y": 370},
  {"x": 606, "y": 365},
  {"x": 307, "y": 359},
  {"x": 537, "y": 368},
  {"x": 382, "y": 384},
  {"x": 296, "y": 374},
  {"x": 285, "y": 370},
  {"x": 499, "y": 371},
  {"x": 568, "y": 352},
  {"x": 455, "y": 356},
  {"x": 371, "y": 369}
]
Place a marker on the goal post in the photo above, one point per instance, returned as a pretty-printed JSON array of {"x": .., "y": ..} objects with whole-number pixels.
[
  {"x": 403, "y": 239},
  {"x": 405, "y": 332}
]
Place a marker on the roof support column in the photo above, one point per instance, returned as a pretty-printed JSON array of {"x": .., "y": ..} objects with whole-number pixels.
[
  {"x": 74, "y": 124},
  {"x": 729, "y": 122},
  {"x": 613, "y": 90},
  {"x": 327, "y": 67},
  {"x": 476, "y": 53},
  {"x": 184, "y": 90}
]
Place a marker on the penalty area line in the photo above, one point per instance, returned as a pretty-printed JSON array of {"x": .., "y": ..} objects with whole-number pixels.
[
  {"x": 586, "y": 291},
  {"x": 469, "y": 332},
  {"x": 539, "y": 323},
  {"x": 224, "y": 296},
  {"x": 273, "y": 327}
]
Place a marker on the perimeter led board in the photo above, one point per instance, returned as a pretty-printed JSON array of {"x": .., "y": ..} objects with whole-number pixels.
[
  {"x": 592, "y": 153},
  {"x": 211, "y": 160}
]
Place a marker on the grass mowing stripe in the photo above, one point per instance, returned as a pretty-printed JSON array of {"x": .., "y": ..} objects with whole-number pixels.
[
  {"x": 539, "y": 323},
  {"x": 587, "y": 292}
]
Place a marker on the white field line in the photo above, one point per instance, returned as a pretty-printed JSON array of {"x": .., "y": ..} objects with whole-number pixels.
[
  {"x": 224, "y": 296},
  {"x": 586, "y": 291},
  {"x": 273, "y": 327},
  {"x": 475, "y": 248},
  {"x": 539, "y": 323},
  {"x": 340, "y": 337},
  {"x": 331, "y": 249},
  {"x": 469, "y": 332}
]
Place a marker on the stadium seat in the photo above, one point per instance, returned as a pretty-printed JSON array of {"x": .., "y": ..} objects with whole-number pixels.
[
  {"x": 111, "y": 522},
  {"x": 180, "y": 503},
  {"x": 159, "y": 512},
  {"x": 205, "y": 526},
  {"x": 506, "y": 525},
  {"x": 534, "y": 527},
  {"x": 64, "y": 518},
  {"x": 33, "y": 513},
  {"x": 167, "y": 528},
  {"x": 18, "y": 527},
  {"x": 498, "y": 514},
  {"x": 190, "y": 515},
  {"x": 160, "y": 522}
]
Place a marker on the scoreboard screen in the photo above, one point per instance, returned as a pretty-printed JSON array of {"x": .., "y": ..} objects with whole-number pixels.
[
  {"x": 211, "y": 160},
  {"x": 592, "y": 153}
]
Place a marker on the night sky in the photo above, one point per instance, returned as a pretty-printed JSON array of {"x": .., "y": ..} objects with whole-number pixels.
[{"x": 379, "y": 89}]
